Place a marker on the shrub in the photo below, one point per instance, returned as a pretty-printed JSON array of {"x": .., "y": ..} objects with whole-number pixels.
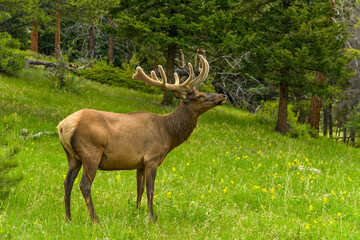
[
  {"x": 269, "y": 113},
  {"x": 11, "y": 59},
  {"x": 107, "y": 74},
  {"x": 62, "y": 79},
  {"x": 8, "y": 156}
]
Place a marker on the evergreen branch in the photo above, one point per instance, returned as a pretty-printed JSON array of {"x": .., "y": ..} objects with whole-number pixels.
[{"x": 6, "y": 129}]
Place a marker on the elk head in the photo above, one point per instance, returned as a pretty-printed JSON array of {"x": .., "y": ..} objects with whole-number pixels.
[{"x": 200, "y": 102}]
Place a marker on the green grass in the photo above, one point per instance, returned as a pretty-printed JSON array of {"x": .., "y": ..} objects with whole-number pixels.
[{"x": 234, "y": 178}]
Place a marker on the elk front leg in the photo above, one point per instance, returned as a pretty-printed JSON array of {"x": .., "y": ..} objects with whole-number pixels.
[
  {"x": 150, "y": 174},
  {"x": 140, "y": 185}
]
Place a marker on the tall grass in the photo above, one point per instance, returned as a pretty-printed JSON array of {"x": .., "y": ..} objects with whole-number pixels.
[{"x": 233, "y": 179}]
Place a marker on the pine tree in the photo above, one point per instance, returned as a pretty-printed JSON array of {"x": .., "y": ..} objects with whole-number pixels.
[
  {"x": 288, "y": 41},
  {"x": 162, "y": 28}
]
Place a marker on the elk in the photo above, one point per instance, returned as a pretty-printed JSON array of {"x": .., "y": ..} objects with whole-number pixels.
[{"x": 137, "y": 140}]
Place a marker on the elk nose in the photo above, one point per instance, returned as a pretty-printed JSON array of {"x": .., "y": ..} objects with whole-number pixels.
[{"x": 223, "y": 95}]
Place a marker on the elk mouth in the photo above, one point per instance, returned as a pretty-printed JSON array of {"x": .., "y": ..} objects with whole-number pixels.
[{"x": 222, "y": 102}]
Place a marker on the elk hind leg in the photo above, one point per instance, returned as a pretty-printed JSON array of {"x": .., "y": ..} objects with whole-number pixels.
[
  {"x": 140, "y": 185},
  {"x": 85, "y": 187},
  {"x": 74, "y": 167}
]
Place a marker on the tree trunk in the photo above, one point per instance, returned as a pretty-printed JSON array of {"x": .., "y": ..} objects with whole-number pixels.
[
  {"x": 170, "y": 63},
  {"x": 315, "y": 106},
  {"x": 91, "y": 42},
  {"x": 352, "y": 136},
  {"x": 181, "y": 59},
  {"x": 34, "y": 37},
  {"x": 281, "y": 125},
  {"x": 57, "y": 34},
  {"x": 330, "y": 120},
  {"x": 326, "y": 120},
  {"x": 345, "y": 135},
  {"x": 111, "y": 43}
]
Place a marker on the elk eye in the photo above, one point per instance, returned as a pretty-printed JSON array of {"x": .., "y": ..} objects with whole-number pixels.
[{"x": 200, "y": 96}]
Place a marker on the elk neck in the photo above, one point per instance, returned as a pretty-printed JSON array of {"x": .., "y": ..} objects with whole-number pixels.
[{"x": 180, "y": 124}]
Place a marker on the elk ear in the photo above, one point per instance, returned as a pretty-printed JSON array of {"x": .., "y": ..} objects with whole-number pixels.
[{"x": 179, "y": 95}]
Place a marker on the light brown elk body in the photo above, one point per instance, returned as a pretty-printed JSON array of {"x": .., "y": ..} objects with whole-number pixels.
[{"x": 138, "y": 140}]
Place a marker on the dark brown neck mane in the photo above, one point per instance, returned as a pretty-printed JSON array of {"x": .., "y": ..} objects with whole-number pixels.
[{"x": 180, "y": 124}]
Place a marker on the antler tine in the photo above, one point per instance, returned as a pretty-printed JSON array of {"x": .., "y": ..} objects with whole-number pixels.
[
  {"x": 141, "y": 76},
  {"x": 203, "y": 73},
  {"x": 184, "y": 87},
  {"x": 191, "y": 75},
  {"x": 177, "y": 81},
  {"x": 163, "y": 76}
]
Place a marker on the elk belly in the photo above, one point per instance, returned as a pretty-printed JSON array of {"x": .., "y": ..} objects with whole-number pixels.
[{"x": 120, "y": 162}]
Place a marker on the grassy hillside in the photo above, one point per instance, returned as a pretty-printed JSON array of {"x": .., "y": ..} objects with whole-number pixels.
[{"x": 234, "y": 177}]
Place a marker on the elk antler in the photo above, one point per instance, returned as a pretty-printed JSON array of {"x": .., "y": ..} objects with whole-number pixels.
[{"x": 184, "y": 87}]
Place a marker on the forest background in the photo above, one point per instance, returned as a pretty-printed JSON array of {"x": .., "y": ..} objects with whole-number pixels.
[{"x": 284, "y": 65}]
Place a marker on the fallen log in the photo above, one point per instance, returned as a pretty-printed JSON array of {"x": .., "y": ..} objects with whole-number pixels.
[
  {"x": 37, "y": 62},
  {"x": 31, "y": 62}
]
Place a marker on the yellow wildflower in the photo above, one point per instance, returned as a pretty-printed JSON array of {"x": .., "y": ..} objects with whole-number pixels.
[
  {"x": 173, "y": 169},
  {"x": 339, "y": 214},
  {"x": 222, "y": 180},
  {"x": 187, "y": 164},
  {"x": 168, "y": 194},
  {"x": 256, "y": 187},
  {"x": 225, "y": 190},
  {"x": 325, "y": 199},
  {"x": 307, "y": 226},
  {"x": 202, "y": 196},
  {"x": 118, "y": 177},
  {"x": 311, "y": 207},
  {"x": 332, "y": 192}
]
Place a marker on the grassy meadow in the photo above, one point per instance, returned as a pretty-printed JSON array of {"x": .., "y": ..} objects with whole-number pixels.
[{"x": 235, "y": 178}]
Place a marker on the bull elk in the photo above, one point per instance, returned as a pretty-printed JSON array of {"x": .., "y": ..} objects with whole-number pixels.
[{"x": 137, "y": 140}]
